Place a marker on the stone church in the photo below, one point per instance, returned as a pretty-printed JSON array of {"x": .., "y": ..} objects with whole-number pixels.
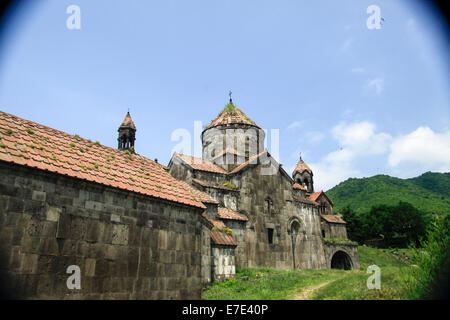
[{"x": 137, "y": 229}]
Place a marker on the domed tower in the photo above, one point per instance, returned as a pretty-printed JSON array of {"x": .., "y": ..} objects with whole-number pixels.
[
  {"x": 127, "y": 132},
  {"x": 303, "y": 175},
  {"x": 234, "y": 134}
]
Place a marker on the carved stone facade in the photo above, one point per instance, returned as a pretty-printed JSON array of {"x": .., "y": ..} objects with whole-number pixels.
[
  {"x": 286, "y": 220},
  {"x": 141, "y": 230}
]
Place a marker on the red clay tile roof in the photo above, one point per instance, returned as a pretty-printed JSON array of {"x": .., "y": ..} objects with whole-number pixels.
[
  {"x": 221, "y": 238},
  {"x": 298, "y": 186},
  {"x": 228, "y": 214},
  {"x": 200, "y": 164},
  {"x": 304, "y": 200},
  {"x": 314, "y": 196},
  {"x": 210, "y": 184},
  {"x": 128, "y": 122},
  {"x": 332, "y": 218},
  {"x": 31, "y": 144},
  {"x": 217, "y": 223},
  {"x": 231, "y": 114},
  {"x": 301, "y": 166},
  {"x": 199, "y": 195}
]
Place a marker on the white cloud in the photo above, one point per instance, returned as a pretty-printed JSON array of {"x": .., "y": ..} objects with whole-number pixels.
[
  {"x": 332, "y": 169},
  {"x": 295, "y": 124},
  {"x": 360, "y": 138},
  {"x": 377, "y": 84},
  {"x": 424, "y": 147},
  {"x": 356, "y": 140},
  {"x": 406, "y": 155}
]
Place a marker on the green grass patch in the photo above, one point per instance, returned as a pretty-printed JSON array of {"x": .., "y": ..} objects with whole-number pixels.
[
  {"x": 266, "y": 284},
  {"x": 271, "y": 284}
]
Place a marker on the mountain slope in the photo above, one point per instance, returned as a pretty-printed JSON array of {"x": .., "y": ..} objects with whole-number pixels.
[
  {"x": 429, "y": 192},
  {"x": 436, "y": 182}
]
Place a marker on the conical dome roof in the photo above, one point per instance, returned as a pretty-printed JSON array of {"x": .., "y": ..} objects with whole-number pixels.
[
  {"x": 301, "y": 166},
  {"x": 128, "y": 122},
  {"x": 229, "y": 115}
]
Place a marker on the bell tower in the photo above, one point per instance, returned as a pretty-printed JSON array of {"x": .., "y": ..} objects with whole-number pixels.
[
  {"x": 303, "y": 175},
  {"x": 127, "y": 131}
]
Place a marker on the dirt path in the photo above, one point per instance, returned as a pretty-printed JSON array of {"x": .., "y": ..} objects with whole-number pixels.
[{"x": 305, "y": 294}]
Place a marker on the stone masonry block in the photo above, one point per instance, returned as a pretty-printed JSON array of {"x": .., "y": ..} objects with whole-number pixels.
[
  {"x": 94, "y": 205},
  {"x": 38, "y": 195},
  {"x": 53, "y": 213},
  {"x": 63, "y": 227},
  {"x": 29, "y": 263},
  {"x": 89, "y": 267},
  {"x": 120, "y": 234}
]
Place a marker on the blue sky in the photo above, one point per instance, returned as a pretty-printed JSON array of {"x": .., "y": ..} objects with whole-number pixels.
[{"x": 355, "y": 102}]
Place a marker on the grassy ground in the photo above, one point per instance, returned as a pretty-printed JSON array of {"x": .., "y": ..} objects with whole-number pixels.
[{"x": 267, "y": 284}]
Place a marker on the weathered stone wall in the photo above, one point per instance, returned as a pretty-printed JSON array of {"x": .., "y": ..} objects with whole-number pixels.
[
  {"x": 255, "y": 188},
  {"x": 334, "y": 230},
  {"x": 206, "y": 254},
  {"x": 180, "y": 171},
  {"x": 248, "y": 140},
  {"x": 309, "y": 251},
  {"x": 324, "y": 205},
  {"x": 128, "y": 246},
  {"x": 209, "y": 176},
  {"x": 228, "y": 199},
  {"x": 210, "y": 211},
  {"x": 223, "y": 262},
  {"x": 239, "y": 234}
]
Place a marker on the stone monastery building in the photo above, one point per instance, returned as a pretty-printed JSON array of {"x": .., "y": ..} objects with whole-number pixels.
[{"x": 140, "y": 230}]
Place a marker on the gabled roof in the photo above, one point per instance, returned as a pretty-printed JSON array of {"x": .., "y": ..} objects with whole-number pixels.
[
  {"x": 314, "y": 196},
  {"x": 199, "y": 195},
  {"x": 199, "y": 163},
  {"x": 254, "y": 160},
  {"x": 30, "y": 144},
  {"x": 304, "y": 200},
  {"x": 228, "y": 214},
  {"x": 301, "y": 166},
  {"x": 332, "y": 218},
  {"x": 128, "y": 122},
  {"x": 219, "y": 236},
  {"x": 230, "y": 115}
]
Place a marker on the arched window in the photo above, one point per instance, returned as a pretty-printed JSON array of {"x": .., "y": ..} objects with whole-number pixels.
[
  {"x": 322, "y": 208},
  {"x": 270, "y": 235},
  {"x": 268, "y": 205}
]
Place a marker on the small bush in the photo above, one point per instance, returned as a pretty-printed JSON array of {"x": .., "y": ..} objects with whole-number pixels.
[{"x": 429, "y": 276}]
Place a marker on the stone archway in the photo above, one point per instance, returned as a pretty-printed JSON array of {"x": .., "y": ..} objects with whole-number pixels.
[
  {"x": 341, "y": 260},
  {"x": 294, "y": 230}
]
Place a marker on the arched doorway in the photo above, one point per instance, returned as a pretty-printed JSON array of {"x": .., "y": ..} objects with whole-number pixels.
[
  {"x": 295, "y": 228},
  {"x": 341, "y": 260}
]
